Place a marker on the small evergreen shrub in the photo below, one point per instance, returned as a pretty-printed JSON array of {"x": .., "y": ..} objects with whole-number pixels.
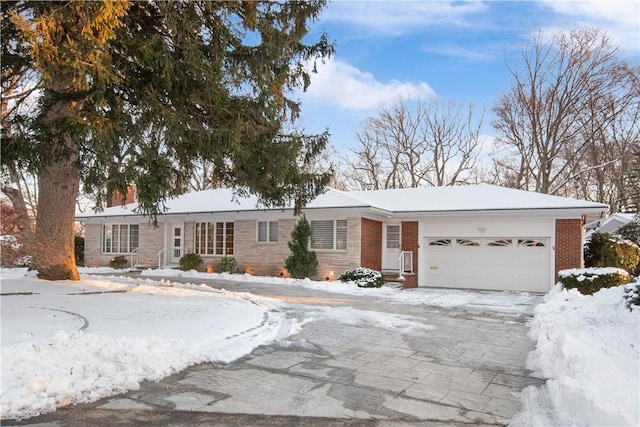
[
  {"x": 632, "y": 296},
  {"x": 79, "y": 250},
  {"x": 190, "y": 262},
  {"x": 363, "y": 277},
  {"x": 631, "y": 230},
  {"x": 605, "y": 250},
  {"x": 590, "y": 280},
  {"x": 118, "y": 261},
  {"x": 228, "y": 265},
  {"x": 302, "y": 262}
]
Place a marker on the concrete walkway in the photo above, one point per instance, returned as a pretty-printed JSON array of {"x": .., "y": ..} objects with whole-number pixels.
[{"x": 458, "y": 368}]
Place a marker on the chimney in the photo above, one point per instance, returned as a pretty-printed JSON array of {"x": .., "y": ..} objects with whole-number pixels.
[{"x": 116, "y": 199}]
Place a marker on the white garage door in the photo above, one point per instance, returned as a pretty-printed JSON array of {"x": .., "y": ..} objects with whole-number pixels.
[{"x": 515, "y": 263}]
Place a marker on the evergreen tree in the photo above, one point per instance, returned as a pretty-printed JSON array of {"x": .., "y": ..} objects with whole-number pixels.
[
  {"x": 302, "y": 262},
  {"x": 137, "y": 92}
]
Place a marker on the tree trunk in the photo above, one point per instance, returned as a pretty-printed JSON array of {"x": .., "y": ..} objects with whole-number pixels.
[
  {"x": 54, "y": 255},
  {"x": 58, "y": 186}
]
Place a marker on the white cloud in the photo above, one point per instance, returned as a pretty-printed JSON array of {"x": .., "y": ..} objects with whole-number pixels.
[
  {"x": 400, "y": 17},
  {"x": 340, "y": 84},
  {"x": 619, "y": 19}
]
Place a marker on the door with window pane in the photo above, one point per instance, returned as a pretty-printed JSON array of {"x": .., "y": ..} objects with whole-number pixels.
[
  {"x": 176, "y": 242},
  {"x": 391, "y": 247}
]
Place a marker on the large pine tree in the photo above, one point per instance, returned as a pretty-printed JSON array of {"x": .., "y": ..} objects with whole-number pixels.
[{"x": 135, "y": 92}]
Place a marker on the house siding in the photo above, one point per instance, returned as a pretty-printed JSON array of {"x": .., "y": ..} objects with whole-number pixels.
[
  {"x": 151, "y": 241},
  {"x": 371, "y": 244},
  {"x": 568, "y": 244},
  {"x": 338, "y": 261},
  {"x": 410, "y": 244}
]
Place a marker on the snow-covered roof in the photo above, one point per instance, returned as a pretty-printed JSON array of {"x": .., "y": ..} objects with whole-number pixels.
[{"x": 482, "y": 197}]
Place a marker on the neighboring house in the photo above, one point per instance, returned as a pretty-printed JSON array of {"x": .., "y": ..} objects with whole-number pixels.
[
  {"x": 475, "y": 237},
  {"x": 610, "y": 224}
]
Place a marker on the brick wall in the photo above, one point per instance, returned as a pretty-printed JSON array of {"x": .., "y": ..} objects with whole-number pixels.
[
  {"x": 410, "y": 243},
  {"x": 339, "y": 261},
  {"x": 371, "y": 244},
  {"x": 568, "y": 244},
  {"x": 116, "y": 199}
]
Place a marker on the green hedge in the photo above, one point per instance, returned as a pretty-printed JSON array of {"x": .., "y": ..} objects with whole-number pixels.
[
  {"x": 363, "y": 277},
  {"x": 228, "y": 265},
  {"x": 590, "y": 280},
  {"x": 190, "y": 262}
]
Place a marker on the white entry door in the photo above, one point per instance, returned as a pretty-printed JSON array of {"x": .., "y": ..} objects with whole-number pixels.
[
  {"x": 391, "y": 247},
  {"x": 176, "y": 242}
]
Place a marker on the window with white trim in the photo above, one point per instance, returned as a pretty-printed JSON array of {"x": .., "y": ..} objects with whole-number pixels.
[
  {"x": 393, "y": 237},
  {"x": 267, "y": 231},
  {"x": 120, "y": 238},
  {"x": 214, "y": 238},
  {"x": 329, "y": 234}
]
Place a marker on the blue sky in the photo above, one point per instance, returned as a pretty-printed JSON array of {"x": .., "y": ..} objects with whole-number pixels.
[{"x": 452, "y": 50}]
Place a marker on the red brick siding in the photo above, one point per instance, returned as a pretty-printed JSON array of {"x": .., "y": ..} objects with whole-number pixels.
[
  {"x": 568, "y": 244},
  {"x": 371, "y": 244},
  {"x": 115, "y": 198},
  {"x": 410, "y": 243}
]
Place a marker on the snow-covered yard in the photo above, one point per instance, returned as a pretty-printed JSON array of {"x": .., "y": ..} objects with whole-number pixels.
[{"x": 74, "y": 342}]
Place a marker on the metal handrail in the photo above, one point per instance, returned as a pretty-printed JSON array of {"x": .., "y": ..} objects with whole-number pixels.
[
  {"x": 160, "y": 263},
  {"x": 405, "y": 264},
  {"x": 134, "y": 256}
]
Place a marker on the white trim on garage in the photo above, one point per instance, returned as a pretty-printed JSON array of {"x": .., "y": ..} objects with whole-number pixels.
[{"x": 477, "y": 253}]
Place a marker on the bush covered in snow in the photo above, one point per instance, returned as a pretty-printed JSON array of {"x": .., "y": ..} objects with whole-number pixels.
[
  {"x": 363, "y": 277},
  {"x": 590, "y": 280},
  {"x": 632, "y": 295},
  {"x": 605, "y": 250}
]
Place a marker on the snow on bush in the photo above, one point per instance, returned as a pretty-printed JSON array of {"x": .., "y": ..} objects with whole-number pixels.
[
  {"x": 363, "y": 277},
  {"x": 590, "y": 280},
  {"x": 588, "y": 349}
]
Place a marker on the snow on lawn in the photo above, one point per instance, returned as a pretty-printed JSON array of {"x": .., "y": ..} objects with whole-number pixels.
[
  {"x": 515, "y": 303},
  {"x": 74, "y": 342},
  {"x": 588, "y": 350}
]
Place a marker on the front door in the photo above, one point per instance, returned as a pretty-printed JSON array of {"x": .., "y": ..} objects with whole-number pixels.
[
  {"x": 176, "y": 243},
  {"x": 391, "y": 247}
]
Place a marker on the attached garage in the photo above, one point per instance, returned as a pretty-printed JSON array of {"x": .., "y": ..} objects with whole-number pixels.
[{"x": 500, "y": 263}]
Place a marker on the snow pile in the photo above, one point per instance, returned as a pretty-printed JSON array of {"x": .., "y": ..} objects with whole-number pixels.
[
  {"x": 76, "y": 342},
  {"x": 588, "y": 349},
  {"x": 514, "y": 303}
]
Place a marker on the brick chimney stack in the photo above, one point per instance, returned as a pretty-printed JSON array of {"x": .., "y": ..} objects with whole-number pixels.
[{"x": 116, "y": 199}]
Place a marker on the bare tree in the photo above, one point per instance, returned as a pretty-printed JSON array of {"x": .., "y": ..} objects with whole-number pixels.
[
  {"x": 409, "y": 144},
  {"x": 570, "y": 117}
]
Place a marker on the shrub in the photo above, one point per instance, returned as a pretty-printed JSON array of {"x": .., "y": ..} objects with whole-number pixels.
[
  {"x": 632, "y": 296},
  {"x": 631, "y": 230},
  {"x": 604, "y": 250},
  {"x": 590, "y": 280},
  {"x": 228, "y": 265},
  {"x": 118, "y": 262},
  {"x": 363, "y": 277},
  {"x": 302, "y": 262},
  {"x": 190, "y": 262},
  {"x": 79, "y": 250}
]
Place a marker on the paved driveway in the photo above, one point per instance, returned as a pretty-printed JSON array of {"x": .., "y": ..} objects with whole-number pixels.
[{"x": 400, "y": 364}]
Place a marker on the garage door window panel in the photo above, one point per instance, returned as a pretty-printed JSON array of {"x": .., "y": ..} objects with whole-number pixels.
[
  {"x": 439, "y": 242},
  {"x": 531, "y": 243},
  {"x": 500, "y": 243},
  {"x": 467, "y": 242}
]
